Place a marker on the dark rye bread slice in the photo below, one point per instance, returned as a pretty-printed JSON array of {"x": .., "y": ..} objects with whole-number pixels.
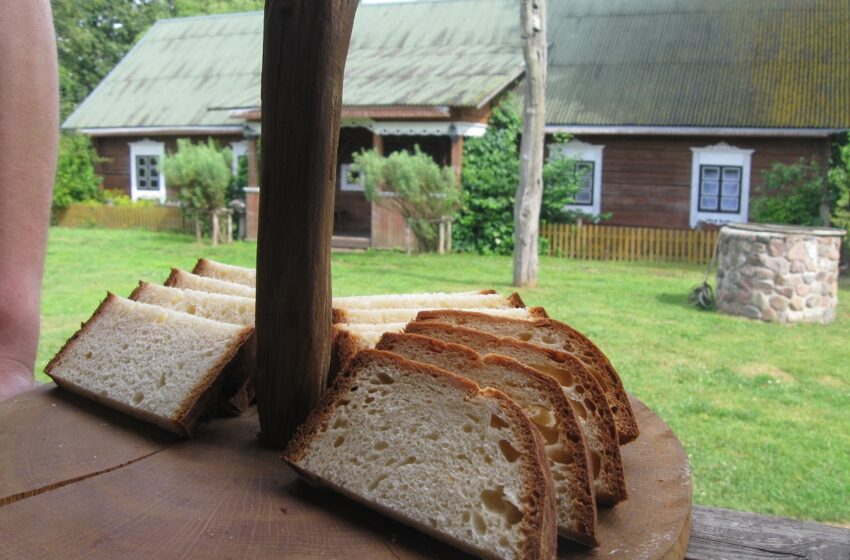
[
  {"x": 435, "y": 451},
  {"x": 156, "y": 364},
  {"x": 559, "y": 336},
  {"x": 583, "y": 391},
  {"x": 542, "y": 400}
]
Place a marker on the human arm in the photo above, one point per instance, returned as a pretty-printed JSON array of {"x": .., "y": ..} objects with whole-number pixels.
[{"x": 29, "y": 121}]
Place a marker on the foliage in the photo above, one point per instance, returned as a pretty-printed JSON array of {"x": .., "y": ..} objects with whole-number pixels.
[
  {"x": 790, "y": 194},
  {"x": 76, "y": 180},
  {"x": 490, "y": 179},
  {"x": 118, "y": 198},
  {"x": 202, "y": 174},
  {"x": 411, "y": 184},
  {"x": 839, "y": 183},
  {"x": 752, "y": 412}
]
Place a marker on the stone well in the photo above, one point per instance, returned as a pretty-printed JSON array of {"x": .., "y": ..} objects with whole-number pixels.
[{"x": 777, "y": 273}]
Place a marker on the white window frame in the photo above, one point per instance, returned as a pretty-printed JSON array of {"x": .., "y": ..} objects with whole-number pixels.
[
  {"x": 147, "y": 147},
  {"x": 239, "y": 149},
  {"x": 721, "y": 154},
  {"x": 583, "y": 151},
  {"x": 345, "y": 184}
]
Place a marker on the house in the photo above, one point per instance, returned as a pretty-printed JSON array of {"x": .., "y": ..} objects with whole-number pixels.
[
  {"x": 675, "y": 106},
  {"x": 416, "y": 74}
]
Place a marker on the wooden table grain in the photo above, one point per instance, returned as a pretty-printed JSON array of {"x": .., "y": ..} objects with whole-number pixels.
[{"x": 80, "y": 481}]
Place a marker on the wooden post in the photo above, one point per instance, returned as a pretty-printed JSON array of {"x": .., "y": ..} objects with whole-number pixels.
[
  {"x": 529, "y": 193},
  {"x": 252, "y": 163},
  {"x": 304, "y": 50},
  {"x": 197, "y": 228},
  {"x": 449, "y": 236},
  {"x": 215, "y": 229},
  {"x": 230, "y": 226},
  {"x": 441, "y": 243}
]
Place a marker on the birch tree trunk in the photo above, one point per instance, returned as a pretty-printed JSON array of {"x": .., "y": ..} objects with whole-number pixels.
[{"x": 530, "y": 191}]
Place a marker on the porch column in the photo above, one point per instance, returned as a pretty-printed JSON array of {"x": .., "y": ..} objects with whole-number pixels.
[
  {"x": 252, "y": 193},
  {"x": 456, "y": 157},
  {"x": 387, "y": 228}
]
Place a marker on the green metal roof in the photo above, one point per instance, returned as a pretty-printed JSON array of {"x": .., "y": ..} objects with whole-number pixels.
[
  {"x": 718, "y": 63},
  {"x": 451, "y": 53}
]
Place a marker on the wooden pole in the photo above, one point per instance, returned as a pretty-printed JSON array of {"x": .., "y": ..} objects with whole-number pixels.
[
  {"x": 304, "y": 50},
  {"x": 529, "y": 194},
  {"x": 215, "y": 228}
]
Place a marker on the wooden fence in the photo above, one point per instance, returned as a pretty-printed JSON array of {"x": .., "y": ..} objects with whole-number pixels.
[
  {"x": 615, "y": 243},
  {"x": 152, "y": 218}
]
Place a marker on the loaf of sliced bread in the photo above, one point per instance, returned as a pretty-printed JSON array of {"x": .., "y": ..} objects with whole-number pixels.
[
  {"x": 153, "y": 363},
  {"x": 542, "y": 400},
  {"x": 559, "y": 336},
  {"x": 226, "y": 272},
  {"x": 433, "y": 450},
  {"x": 237, "y": 388},
  {"x": 188, "y": 281},
  {"x": 582, "y": 390}
]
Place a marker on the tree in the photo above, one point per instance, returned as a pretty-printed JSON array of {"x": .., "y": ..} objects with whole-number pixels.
[
  {"x": 202, "y": 174},
  {"x": 530, "y": 191},
  {"x": 414, "y": 186},
  {"x": 76, "y": 180},
  {"x": 791, "y": 194}
]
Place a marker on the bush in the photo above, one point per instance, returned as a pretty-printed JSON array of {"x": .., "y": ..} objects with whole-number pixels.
[
  {"x": 76, "y": 180},
  {"x": 839, "y": 183},
  {"x": 411, "y": 184},
  {"x": 202, "y": 174},
  {"x": 490, "y": 181},
  {"x": 791, "y": 194}
]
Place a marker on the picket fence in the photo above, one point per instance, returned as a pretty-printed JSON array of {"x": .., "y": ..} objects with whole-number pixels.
[
  {"x": 152, "y": 218},
  {"x": 616, "y": 243}
]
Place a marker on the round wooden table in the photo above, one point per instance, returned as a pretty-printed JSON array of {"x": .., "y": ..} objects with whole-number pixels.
[{"x": 78, "y": 480}]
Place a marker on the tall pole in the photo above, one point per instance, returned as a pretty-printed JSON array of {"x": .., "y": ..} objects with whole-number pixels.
[
  {"x": 530, "y": 191},
  {"x": 304, "y": 50}
]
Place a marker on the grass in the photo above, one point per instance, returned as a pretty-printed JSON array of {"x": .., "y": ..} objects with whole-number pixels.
[{"x": 762, "y": 409}]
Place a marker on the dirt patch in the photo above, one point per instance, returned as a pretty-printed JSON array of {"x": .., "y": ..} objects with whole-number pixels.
[
  {"x": 831, "y": 381},
  {"x": 755, "y": 369}
]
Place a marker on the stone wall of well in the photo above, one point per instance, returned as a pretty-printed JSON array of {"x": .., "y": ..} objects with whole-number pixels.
[{"x": 781, "y": 274}]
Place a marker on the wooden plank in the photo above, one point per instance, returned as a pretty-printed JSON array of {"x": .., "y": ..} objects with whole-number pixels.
[
  {"x": 49, "y": 437},
  {"x": 223, "y": 495},
  {"x": 720, "y": 533}
]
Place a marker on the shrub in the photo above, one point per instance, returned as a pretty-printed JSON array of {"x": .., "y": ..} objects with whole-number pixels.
[
  {"x": 202, "y": 174},
  {"x": 411, "y": 184},
  {"x": 76, "y": 180},
  {"x": 791, "y": 194}
]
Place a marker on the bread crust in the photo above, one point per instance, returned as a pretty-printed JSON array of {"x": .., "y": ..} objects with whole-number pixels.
[
  {"x": 573, "y": 342},
  {"x": 538, "y": 529},
  {"x": 570, "y": 434},
  {"x": 611, "y": 489},
  {"x": 516, "y": 301},
  {"x": 202, "y": 267}
]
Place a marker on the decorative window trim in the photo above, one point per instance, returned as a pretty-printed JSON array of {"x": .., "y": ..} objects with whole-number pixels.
[
  {"x": 587, "y": 153},
  {"x": 239, "y": 149},
  {"x": 722, "y": 155},
  {"x": 345, "y": 184},
  {"x": 147, "y": 147}
]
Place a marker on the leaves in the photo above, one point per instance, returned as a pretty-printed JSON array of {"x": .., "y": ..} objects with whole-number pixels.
[
  {"x": 791, "y": 194},
  {"x": 76, "y": 180},
  {"x": 202, "y": 174}
]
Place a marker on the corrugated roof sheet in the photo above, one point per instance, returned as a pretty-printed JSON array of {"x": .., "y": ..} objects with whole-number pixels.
[
  {"x": 718, "y": 63},
  {"x": 455, "y": 53}
]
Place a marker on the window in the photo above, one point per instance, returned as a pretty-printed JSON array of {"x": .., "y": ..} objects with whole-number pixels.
[
  {"x": 720, "y": 184},
  {"x": 720, "y": 188},
  {"x": 349, "y": 181},
  {"x": 588, "y": 197},
  {"x": 146, "y": 178},
  {"x": 584, "y": 195}
]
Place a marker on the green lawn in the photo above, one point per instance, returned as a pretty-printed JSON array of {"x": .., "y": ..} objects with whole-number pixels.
[{"x": 763, "y": 409}]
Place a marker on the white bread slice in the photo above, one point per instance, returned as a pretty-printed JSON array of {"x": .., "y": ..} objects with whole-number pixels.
[
  {"x": 583, "y": 391},
  {"x": 543, "y": 401},
  {"x": 152, "y": 363},
  {"x": 403, "y": 315},
  {"x": 235, "y": 310},
  {"x": 558, "y": 336},
  {"x": 483, "y": 299},
  {"x": 226, "y": 272},
  {"x": 237, "y": 389},
  {"x": 188, "y": 281},
  {"x": 433, "y": 450}
]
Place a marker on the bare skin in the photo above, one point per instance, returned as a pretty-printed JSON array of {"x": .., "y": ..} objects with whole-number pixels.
[{"x": 29, "y": 124}]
